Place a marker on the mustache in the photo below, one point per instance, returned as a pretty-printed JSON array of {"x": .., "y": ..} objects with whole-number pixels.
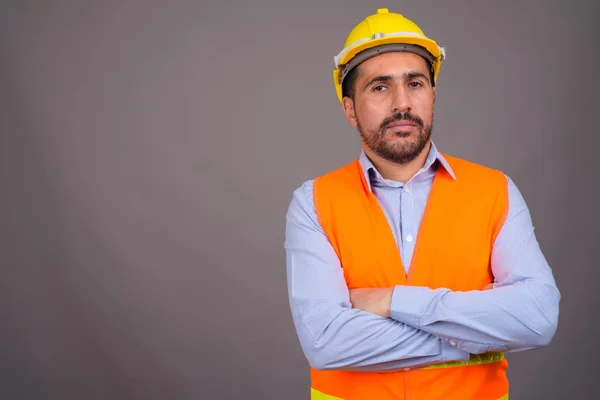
[{"x": 401, "y": 116}]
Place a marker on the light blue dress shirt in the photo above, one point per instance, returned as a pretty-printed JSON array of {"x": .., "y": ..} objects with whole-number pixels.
[{"x": 426, "y": 326}]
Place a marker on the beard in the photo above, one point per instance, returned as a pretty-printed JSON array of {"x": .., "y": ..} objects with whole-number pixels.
[{"x": 399, "y": 152}]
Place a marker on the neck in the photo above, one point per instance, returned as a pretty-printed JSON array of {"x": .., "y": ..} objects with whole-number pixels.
[{"x": 399, "y": 172}]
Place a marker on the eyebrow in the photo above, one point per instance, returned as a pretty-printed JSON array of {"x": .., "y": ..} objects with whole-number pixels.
[
  {"x": 413, "y": 74},
  {"x": 379, "y": 78},
  {"x": 386, "y": 78}
]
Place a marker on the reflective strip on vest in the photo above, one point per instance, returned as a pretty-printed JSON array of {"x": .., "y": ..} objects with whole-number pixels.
[
  {"x": 316, "y": 395},
  {"x": 474, "y": 359}
]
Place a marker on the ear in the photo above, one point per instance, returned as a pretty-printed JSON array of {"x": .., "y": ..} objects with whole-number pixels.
[
  {"x": 434, "y": 93},
  {"x": 349, "y": 111}
]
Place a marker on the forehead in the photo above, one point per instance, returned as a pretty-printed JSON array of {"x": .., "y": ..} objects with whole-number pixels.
[{"x": 393, "y": 63}]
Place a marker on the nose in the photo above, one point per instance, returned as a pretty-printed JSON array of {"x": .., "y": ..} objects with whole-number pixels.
[{"x": 401, "y": 100}]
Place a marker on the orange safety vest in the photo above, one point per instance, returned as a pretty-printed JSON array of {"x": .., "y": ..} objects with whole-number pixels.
[{"x": 453, "y": 250}]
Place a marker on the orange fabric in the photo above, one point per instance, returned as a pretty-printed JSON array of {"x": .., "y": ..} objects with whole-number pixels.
[{"x": 461, "y": 220}]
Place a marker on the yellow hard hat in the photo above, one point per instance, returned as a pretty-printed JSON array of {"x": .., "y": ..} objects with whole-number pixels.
[{"x": 380, "y": 33}]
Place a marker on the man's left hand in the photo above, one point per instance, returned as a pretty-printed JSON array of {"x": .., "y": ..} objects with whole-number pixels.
[{"x": 373, "y": 300}]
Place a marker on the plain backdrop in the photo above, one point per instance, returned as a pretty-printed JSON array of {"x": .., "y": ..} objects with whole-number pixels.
[{"x": 149, "y": 151}]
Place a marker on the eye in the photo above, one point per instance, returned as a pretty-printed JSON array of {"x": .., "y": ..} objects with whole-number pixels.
[
  {"x": 378, "y": 88},
  {"x": 415, "y": 84}
]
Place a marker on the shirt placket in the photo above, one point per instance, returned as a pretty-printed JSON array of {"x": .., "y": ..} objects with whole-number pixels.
[
  {"x": 407, "y": 224},
  {"x": 386, "y": 193}
]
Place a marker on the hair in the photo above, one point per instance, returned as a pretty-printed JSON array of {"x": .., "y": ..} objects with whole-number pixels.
[{"x": 349, "y": 84}]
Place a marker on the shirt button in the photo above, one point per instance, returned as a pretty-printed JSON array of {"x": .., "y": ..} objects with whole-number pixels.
[
  {"x": 406, "y": 189},
  {"x": 406, "y": 369},
  {"x": 452, "y": 343},
  {"x": 409, "y": 238}
]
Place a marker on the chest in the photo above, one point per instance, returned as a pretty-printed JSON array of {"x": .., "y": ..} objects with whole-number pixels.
[{"x": 446, "y": 238}]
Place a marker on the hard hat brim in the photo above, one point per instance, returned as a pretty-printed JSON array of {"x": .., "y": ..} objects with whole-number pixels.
[{"x": 424, "y": 42}]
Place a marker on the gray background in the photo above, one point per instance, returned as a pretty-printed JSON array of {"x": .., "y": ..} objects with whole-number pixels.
[{"x": 149, "y": 151}]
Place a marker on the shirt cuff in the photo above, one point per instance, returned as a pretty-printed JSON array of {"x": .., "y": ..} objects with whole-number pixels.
[{"x": 409, "y": 302}]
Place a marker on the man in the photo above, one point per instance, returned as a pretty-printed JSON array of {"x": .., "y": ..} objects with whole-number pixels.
[{"x": 410, "y": 272}]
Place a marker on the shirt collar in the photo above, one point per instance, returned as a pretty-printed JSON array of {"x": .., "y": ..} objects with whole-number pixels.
[{"x": 433, "y": 156}]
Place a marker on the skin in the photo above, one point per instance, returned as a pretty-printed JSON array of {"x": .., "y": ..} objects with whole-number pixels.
[{"x": 391, "y": 88}]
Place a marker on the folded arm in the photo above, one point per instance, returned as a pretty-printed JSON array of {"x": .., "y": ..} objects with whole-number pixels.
[
  {"x": 519, "y": 313},
  {"x": 332, "y": 334}
]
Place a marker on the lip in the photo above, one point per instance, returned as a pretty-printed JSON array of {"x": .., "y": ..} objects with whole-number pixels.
[{"x": 401, "y": 124}]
